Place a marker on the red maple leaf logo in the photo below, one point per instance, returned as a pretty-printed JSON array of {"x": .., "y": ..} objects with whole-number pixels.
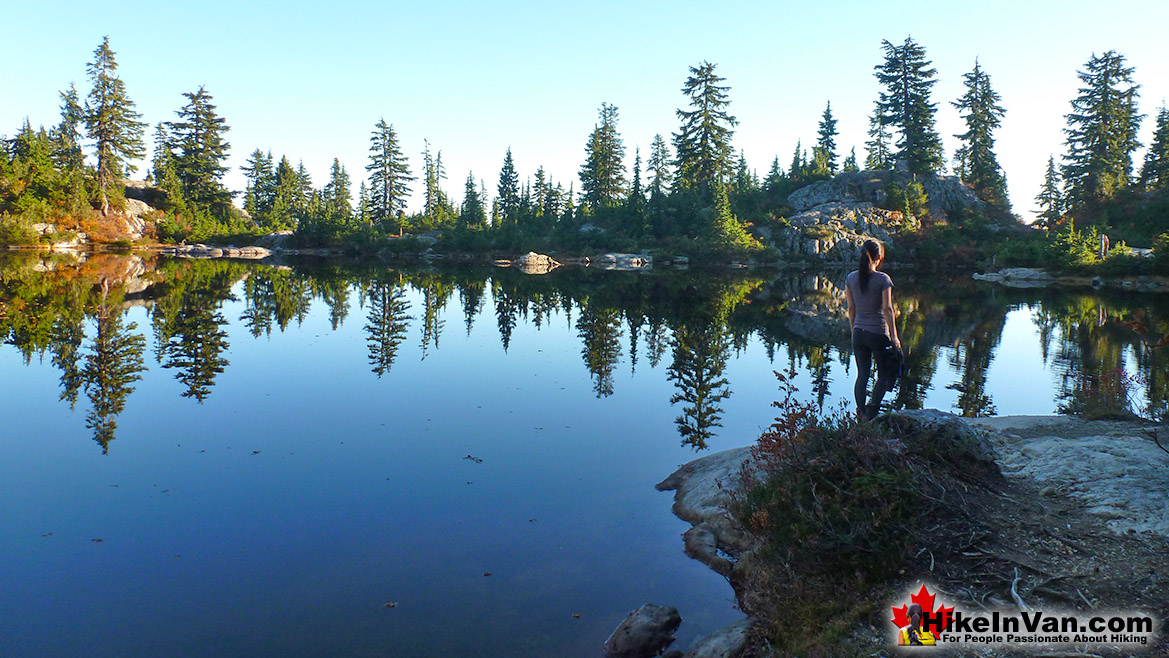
[{"x": 941, "y": 616}]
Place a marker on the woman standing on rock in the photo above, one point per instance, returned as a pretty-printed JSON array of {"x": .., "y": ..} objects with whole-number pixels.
[{"x": 874, "y": 328}]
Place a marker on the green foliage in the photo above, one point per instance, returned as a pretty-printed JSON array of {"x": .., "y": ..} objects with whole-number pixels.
[
  {"x": 1155, "y": 171},
  {"x": 1101, "y": 132},
  {"x": 840, "y": 507},
  {"x": 825, "y": 150},
  {"x": 702, "y": 146},
  {"x": 658, "y": 166},
  {"x": 1050, "y": 199},
  {"x": 982, "y": 113},
  {"x": 905, "y": 102},
  {"x": 602, "y": 176},
  {"x": 880, "y": 156},
  {"x": 111, "y": 121},
  {"x": 197, "y": 150},
  {"x": 910, "y": 198},
  {"x": 389, "y": 177}
]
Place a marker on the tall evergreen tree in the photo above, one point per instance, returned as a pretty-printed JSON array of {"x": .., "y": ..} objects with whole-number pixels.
[
  {"x": 111, "y": 122},
  {"x": 702, "y": 146},
  {"x": 1101, "y": 132},
  {"x": 199, "y": 149},
  {"x": 1050, "y": 199},
  {"x": 905, "y": 103},
  {"x": 472, "y": 214},
  {"x": 774, "y": 175},
  {"x": 337, "y": 193},
  {"x": 1155, "y": 171},
  {"x": 826, "y": 143},
  {"x": 602, "y": 177},
  {"x": 67, "y": 152},
  {"x": 980, "y": 109},
  {"x": 261, "y": 186},
  {"x": 658, "y": 166},
  {"x": 795, "y": 170},
  {"x": 509, "y": 189},
  {"x": 880, "y": 156},
  {"x": 389, "y": 176}
]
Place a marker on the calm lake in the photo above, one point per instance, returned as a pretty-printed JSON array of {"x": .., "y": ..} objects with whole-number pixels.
[{"x": 218, "y": 458}]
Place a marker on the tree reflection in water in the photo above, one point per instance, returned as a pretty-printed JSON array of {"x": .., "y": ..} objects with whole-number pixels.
[{"x": 698, "y": 316}]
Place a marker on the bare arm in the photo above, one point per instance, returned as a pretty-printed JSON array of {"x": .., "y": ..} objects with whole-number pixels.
[
  {"x": 851, "y": 307},
  {"x": 890, "y": 315}
]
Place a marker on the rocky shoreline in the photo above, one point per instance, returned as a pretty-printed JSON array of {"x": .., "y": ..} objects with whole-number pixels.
[
  {"x": 1109, "y": 474},
  {"x": 1029, "y": 277}
]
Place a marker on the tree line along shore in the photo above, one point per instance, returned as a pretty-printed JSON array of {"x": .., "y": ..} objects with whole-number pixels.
[{"x": 691, "y": 194}]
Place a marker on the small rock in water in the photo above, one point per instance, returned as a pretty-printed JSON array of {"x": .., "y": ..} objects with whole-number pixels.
[
  {"x": 97, "y": 541},
  {"x": 646, "y": 632},
  {"x": 486, "y": 573},
  {"x": 474, "y": 459}
]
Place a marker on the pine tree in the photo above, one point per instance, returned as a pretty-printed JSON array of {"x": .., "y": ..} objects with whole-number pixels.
[
  {"x": 261, "y": 188},
  {"x": 67, "y": 152},
  {"x": 509, "y": 190},
  {"x": 1050, "y": 199},
  {"x": 774, "y": 175},
  {"x": 337, "y": 193},
  {"x": 602, "y": 176},
  {"x": 472, "y": 214},
  {"x": 389, "y": 176},
  {"x": 879, "y": 157},
  {"x": 905, "y": 103},
  {"x": 795, "y": 170},
  {"x": 112, "y": 122},
  {"x": 1101, "y": 132},
  {"x": 1155, "y": 171},
  {"x": 728, "y": 233},
  {"x": 540, "y": 191},
  {"x": 658, "y": 166},
  {"x": 637, "y": 219},
  {"x": 980, "y": 109},
  {"x": 849, "y": 162},
  {"x": 825, "y": 150},
  {"x": 702, "y": 146},
  {"x": 199, "y": 150}
]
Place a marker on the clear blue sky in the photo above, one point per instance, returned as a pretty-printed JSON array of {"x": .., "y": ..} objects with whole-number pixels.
[{"x": 310, "y": 80}]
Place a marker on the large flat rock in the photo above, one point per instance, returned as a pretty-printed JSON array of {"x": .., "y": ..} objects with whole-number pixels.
[{"x": 1113, "y": 467}]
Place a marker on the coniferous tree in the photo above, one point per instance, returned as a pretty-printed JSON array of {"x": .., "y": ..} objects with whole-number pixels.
[
  {"x": 111, "y": 367},
  {"x": 602, "y": 176},
  {"x": 1155, "y": 171},
  {"x": 1050, "y": 199},
  {"x": 849, "y": 162},
  {"x": 905, "y": 103},
  {"x": 880, "y": 157},
  {"x": 795, "y": 170},
  {"x": 387, "y": 323},
  {"x": 825, "y": 149},
  {"x": 111, "y": 122},
  {"x": 198, "y": 150},
  {"x": 389, "y": 176},
  {"x": 509, "y": 190},
  {"x": 67, "y": 136},
  {"x": 774, "y": 175},
  {"x": 658, "y": 166},
  {"x": 702, "y": 146},
  {"x": 727, "y": 231},
  {"x": 1101, "y": 132},
  {"x": 700, "y": 357},
  {"x": 261, "y": 187},
  {"x": 472, "y": 214},
  {"x": 337, "y": 193},
  {"x": 980, "y": 109},
  {"x": 635, "y": 205}
]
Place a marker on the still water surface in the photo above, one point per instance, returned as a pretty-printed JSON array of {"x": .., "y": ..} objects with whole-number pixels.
[{"x": 218, "y": 458}]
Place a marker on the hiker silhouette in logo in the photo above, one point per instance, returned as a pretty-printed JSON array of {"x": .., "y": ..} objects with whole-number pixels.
[{"x": 914, "y": 635}]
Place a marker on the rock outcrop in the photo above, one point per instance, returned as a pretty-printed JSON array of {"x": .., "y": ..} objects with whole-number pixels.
[
  {"x": 834, "y": 216},
  {"x": 533, "y": 263}
]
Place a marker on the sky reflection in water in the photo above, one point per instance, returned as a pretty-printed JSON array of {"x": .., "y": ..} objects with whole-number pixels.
[{"x": 290, "y": 454}]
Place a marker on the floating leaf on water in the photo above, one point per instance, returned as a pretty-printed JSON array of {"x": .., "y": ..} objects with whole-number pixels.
[
  {"x": 576, "y": 615},
  {"x": 97, "y": 540},
  {"x": 391, "y": 604},
  {"x": 486, "y": 573},
  {"x": 474, "y": 459}
]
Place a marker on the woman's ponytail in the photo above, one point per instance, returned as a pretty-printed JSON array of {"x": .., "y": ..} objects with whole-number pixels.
[{"x": 871, "y": 252}]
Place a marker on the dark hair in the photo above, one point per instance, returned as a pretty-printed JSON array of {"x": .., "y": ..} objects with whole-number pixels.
[{"x": 871, "y": 252}]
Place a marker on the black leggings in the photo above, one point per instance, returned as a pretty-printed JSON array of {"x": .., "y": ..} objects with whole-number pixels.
[{"x": 864, "y": 343}]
